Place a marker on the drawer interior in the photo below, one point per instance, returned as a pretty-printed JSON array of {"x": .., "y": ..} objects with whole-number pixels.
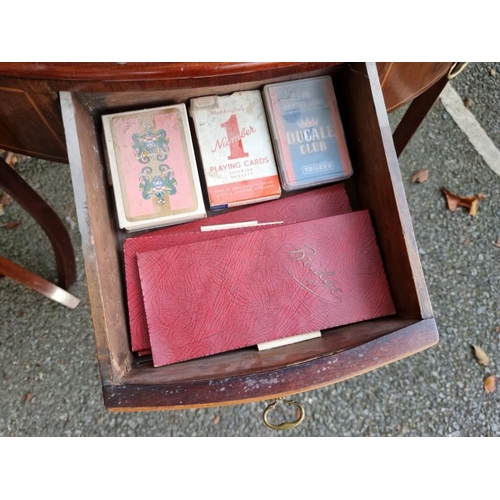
[{"x": 130, "y": 382}]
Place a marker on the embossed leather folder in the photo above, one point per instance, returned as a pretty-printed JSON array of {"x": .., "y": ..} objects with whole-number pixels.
[
  {"x": 323, "y": 202},
  {"x": 236, "y": 291}
]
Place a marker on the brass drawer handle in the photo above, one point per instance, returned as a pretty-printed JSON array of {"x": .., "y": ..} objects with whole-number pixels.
[
  {"x": 456, "y": 69},
  {"x": 284, "y": 426}
]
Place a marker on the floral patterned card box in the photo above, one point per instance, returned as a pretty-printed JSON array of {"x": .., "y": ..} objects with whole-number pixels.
[{"x": 153, "y": 168}]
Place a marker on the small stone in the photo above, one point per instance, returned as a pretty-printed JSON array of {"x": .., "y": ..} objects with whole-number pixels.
[
  {"x": 493, "y": 72},
  {"x": 70, "y": 222},
  {"x": 28, "y": 397}
]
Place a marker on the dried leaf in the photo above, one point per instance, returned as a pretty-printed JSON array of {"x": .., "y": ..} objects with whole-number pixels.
[
  {"x": 497, "y": 329},
  {"x": 490, "y": 383},
  {"x": 468, "y": 102},
  {"x": 452, "y": 200},
  {"x": 216, "y": 419},
  {"x": 481, "y": 357},
  {"x": 6, "y": 200},
  {"x": 1, "y": 209},
  {"x": 420, "y": 175},
  {"x": 470, "y": 202},
  {"x": 493, "y": 72},
  {"x": 28, "y": 397},
  {"x": 473, "y": 207},
  {"x": 11, "y": 225},
  {"x": 497, "y": 243},
  {"x": 11, "y": 159}
]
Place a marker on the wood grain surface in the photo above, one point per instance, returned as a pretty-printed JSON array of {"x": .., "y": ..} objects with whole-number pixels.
[
  {"x": 365, "y": 353},
  {"x": 37, "y": 207},
  {"x": 130, "y": 382},
  {"x": 30, "y": 114}
]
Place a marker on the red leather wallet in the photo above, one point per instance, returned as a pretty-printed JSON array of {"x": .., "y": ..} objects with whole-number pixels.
[
  {"x": 236, "y": 291},
  {"x": 319, "y": 203}
]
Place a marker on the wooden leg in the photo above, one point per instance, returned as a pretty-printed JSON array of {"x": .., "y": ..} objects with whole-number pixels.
[
  {"x": 38, "y": 208},
  {"x": 416, "y": 113},
  {"x": 35, "y": 282}
]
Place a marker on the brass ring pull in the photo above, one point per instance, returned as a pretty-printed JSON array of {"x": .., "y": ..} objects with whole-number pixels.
[
  {"x": 284, "y": 426},
  {"x": 456, "y": 69}
]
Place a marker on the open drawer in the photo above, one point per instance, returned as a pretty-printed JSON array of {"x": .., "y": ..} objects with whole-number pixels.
[{"x": 247, "y": 374}]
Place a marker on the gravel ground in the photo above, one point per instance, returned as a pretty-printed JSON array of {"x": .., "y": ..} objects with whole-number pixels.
[{"x": 50, "y": 384}]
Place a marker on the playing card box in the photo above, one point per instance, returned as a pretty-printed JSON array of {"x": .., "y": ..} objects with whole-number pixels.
[
  {"x": 153, "y": 167},
  {"x": 307, "y": 132},
  {"x": 236, "y": 150}
]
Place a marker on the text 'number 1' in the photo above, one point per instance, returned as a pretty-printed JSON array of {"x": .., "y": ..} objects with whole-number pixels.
[{"x": 234, "y": 138}]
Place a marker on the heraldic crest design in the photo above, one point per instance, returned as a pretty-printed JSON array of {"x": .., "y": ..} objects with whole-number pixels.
[
  {"x": 157, "y": 184},
  {"x": 154, "y": 144},
  {"x": 150, "y": 144}
]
